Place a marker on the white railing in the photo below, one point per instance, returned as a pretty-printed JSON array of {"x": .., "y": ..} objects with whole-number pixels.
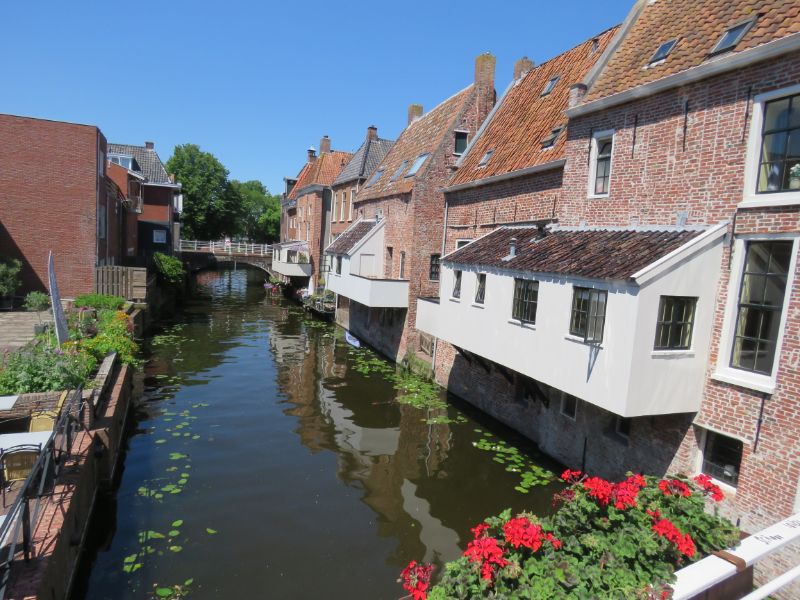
[
  {"x": 704, "y": 574},
  {"x": 223, "y": 247}
]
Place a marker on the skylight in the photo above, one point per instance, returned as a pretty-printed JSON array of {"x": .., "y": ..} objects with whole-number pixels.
[
  {"x": 374, "y": 178},
  {"x": 551, "y": 139},
  {"x": 663, "y": 51},
  {"x": 122, "y": 160},
  {"x": 486, "y": 158},
  {"x": 550, "y": 85},
  {"x": 732, "y": 36},
  {"x": 417, "y": 164},
  {"x": 399, "y": 171}
]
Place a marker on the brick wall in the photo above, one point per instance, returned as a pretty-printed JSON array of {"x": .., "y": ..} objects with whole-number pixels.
[
  {"x": 48, "y": 200},
  {"x": 309, "y": 220}
]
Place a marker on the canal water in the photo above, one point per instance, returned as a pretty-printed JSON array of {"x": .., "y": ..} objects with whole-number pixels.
[{"x": 270, "y": 459}]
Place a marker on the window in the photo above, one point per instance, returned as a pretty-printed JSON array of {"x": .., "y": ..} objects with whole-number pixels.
[
  {"x": 732, "y": 36},
  {"x": 602, "y": 146},
  {"x": 399, "y": 171},
  {"x": 486, "y": 158},
  {"x": 122, "y": 160},
  {"x": 526, "y": 297},
  {"x": 675, "y": 322},
  {"x": 663, "y": 51},
  {"x": 426, "y": 343},
  {"x": 159, "y": 236},
  {"x": 622, "y": 426},
  {"x": 588, "y": 314},
  {"x": 457, "y": 284},
  {"x": 779, "y": 166},
  {"x": 480, "y": 288},
  {"x": 350, "y": 212},
  {"x": 101, "y": 222},
  {"x": 760, "y": 305},
  {"x": 433, "y": 273},
  {"x": 550, "y": 85},
  {"x": 460, "y": 142},
  {"x": 569, "y": 406},
  {"x": 550, "y": 140},
  {"x": 343, "y": 206},
  {"x": 333, "y": 210},
  {"x": 402, "y": 265},
  {"x": 417, "y": 164},
  {"x": 374, "y": 178},
  {"x": 722, "y": 458},
  {"x": 338, "y": 265},
  {"x": 461, "y": 243}
]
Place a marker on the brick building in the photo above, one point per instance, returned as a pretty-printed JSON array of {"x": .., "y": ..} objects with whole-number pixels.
[
  {"x": 383, "y": 262},
  {"x": 126, "y": 187},
  {"x": 306, "y": 213},
  {"x": 54, "y": 195},
  {"x": 162, "y": 200}
]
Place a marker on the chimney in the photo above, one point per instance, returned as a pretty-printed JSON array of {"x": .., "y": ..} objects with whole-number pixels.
[
  {"x": 325, "y": 145},
  {"x": 414, "y": 112},
  {"x": 149, "y": 145},
  {"x": 522, "y": 66},
  {"x": 312, "y": 154},
  {"x": 372, "y": 132},
  {"x": 484, "y": 71},
  {"x": 576, "y": 93},
  {"x": 512, "y": 248}
]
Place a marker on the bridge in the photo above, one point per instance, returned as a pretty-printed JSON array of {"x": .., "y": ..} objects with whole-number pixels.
[{"x": 200, "y": 254}]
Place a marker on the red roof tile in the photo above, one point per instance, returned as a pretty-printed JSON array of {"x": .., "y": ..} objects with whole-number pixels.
[
  {"x": 322, "y": 171},
  {"x": 524, "y": 117},
  {"x": 423, "y": 135},
  {"x": 593, "y": 253},
  {"x": 698, "y": 25}
]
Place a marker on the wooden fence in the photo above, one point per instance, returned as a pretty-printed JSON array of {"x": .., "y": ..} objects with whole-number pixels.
[{"x": 128, "y": 282}]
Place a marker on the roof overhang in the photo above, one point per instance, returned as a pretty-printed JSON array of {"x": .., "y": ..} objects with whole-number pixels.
[
  {"x": 711, "y": 68},
  {"x": 548, "y": 166},
  {"x": 167, "y": 184},
  {"x": 308, "y": 189},
  {"x": 363, "y": 240}
]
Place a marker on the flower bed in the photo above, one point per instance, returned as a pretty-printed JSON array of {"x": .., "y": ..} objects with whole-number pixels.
[
  {"x": 43, "y": 366},
  {"x": 605, "y": 540}
]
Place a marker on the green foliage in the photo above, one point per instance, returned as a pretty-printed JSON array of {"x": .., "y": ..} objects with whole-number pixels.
[
  {"x": 37, "y": 301},
  {"x": 9, "y": 276},
  {"x": 514, "y": 461},
  {"x": 99, "y": 301},
  {"x": 261, "y": 212},
  {"x": 170, "y": 269},
  {"x": 114, "y": 334},
  {"x": 212, "y": 207},
  {"x": 41, "y": 368}
]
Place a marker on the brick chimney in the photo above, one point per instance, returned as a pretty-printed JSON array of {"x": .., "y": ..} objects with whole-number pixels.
[
  {"x": 414, "y": 112},
  {"x": 576, "y": 93},
  {"x": 149, "y": 145},
  {"x": 522, "y": 66},
  {"x": 325, "y": 145},
  {"x": 484, "y": 71},
  {"x": 312, "y": 154},
  {"x": 372, "y": 132}
]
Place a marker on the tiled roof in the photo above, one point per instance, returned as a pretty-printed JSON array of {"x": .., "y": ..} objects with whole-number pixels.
[
  {"x": 524, "y": 117},
  {"x": 699, "y": 25},
  {"x": 322, "y": 171},
  {"x": 423, "y": 135},
  {"x": 150, "y": 165},
  {"x": 593, "y": 253},
  {"x": 351, "y": 236},
  {"x": 364, "y": 161}
]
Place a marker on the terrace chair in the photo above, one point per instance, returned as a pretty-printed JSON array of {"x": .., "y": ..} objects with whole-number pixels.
[
  {"x": 45, "y": 420},
  {"x": 16, "y": 463}
]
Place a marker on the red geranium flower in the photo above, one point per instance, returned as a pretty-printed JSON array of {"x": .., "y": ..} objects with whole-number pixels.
[
  {"x": 674, "y": 487},
  {"x": 571, "y": 476},
  {"x": 709, "y": 487},
  {"x": 683, "y": 541},
  {"x": 416, "y": 578},
  {"x": 486, "y": 552}
]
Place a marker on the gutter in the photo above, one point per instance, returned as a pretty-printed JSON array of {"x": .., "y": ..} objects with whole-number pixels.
[
  {"x": 548, "y": 166},
  {"x": 314, "y": 187},
  {"x": 724, "y": 64}
]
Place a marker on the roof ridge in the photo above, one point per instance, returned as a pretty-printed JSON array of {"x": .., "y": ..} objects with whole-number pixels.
[{"x": 575, "y": 47}]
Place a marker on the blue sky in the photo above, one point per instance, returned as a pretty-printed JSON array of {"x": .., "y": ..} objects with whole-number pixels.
[{"x": 256, "y": 83}]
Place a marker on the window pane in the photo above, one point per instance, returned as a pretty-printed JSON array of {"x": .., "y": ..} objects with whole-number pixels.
[
  {"x": 777, "y": 115},
  {"x": 722, "y": 458},
  {"x": 457, "y": 284},
  {"x": 433, "y": 273},
  {"x": 480, "y": 292},
  {"x": 774, "y": 147},
  {"x": 770, "y": 177}
]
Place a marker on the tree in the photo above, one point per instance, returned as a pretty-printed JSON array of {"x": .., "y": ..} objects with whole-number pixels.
[
  {"x": 261, "y": 212},
  {"x": 212, "y": 206}
]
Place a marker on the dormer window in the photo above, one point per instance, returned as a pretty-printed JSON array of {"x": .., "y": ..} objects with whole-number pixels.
[
  {"x": 550, "y": 140},
  {"x": 122, "y": 160},
  {"x": 460, "y": 142},
  {"x": 550, "y": 85},
  {"x": 374, "y": 178},
  {"x": 399, "y": 171},
  {"x": 486, "y": 158},
  {"x": 732, "y": 36},
  {"x": 662, "y": 52},
  {"x": 417, "y": 164}
]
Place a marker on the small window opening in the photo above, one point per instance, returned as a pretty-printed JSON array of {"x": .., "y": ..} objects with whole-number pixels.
[
  {"x": 486, "y": 158},
  {"x": 550, "y": 85},
  {"x": 460, "y": 142},
  {"x": 663, "y": 51}
]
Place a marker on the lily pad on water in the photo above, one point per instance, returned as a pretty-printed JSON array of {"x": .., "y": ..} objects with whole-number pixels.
[
  {"x": 177, "y": 523},
  {"x": 211, "y": 531}
]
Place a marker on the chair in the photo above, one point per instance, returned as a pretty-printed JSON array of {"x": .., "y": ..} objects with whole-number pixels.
[
  {"x": 45, "y": 420},
  {"x": 16, "y": 463}
]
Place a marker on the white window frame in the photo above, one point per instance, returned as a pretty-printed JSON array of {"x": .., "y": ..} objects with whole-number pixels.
[
  {"x": 751, "y": 199},
  {"x": 701, "y": 440},
  {"x": 724, "y": 371},
  {"x": 333, "y": 211},
  {"x": 343, "y": 206},
  {"x": 460, "y": 243},
  {"x": 596, "y": 137},
  {"x": 455, "y": 133},
  {"x": 350, "y": 210}
]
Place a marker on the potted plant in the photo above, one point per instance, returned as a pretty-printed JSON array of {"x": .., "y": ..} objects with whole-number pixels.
[
  {"x": 38, "y": 302},
  {"x": 9, "y": 282},
  {"x": 794, "y": 177}
]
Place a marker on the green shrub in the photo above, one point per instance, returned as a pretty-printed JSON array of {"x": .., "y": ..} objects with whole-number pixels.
[
  {"x": 37, "y": 301},
  {"x": 9, "y": 276},
  {"x": 42, "y": 368},
  {"x": 99, "y": 301},
  {"x": 169, "y": 269},
  {"x": 114, "y": 334}
]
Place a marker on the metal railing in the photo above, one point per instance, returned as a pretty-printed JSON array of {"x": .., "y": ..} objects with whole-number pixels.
[
  {"x": 224, "y": 247},
  {"x": 20, "y": 522}
]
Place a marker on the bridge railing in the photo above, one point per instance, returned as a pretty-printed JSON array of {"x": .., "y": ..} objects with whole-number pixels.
[{"x": 223, "y": 247}]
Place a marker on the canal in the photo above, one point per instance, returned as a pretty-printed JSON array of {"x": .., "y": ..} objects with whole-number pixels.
[{"x": 270, "y": 459}]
